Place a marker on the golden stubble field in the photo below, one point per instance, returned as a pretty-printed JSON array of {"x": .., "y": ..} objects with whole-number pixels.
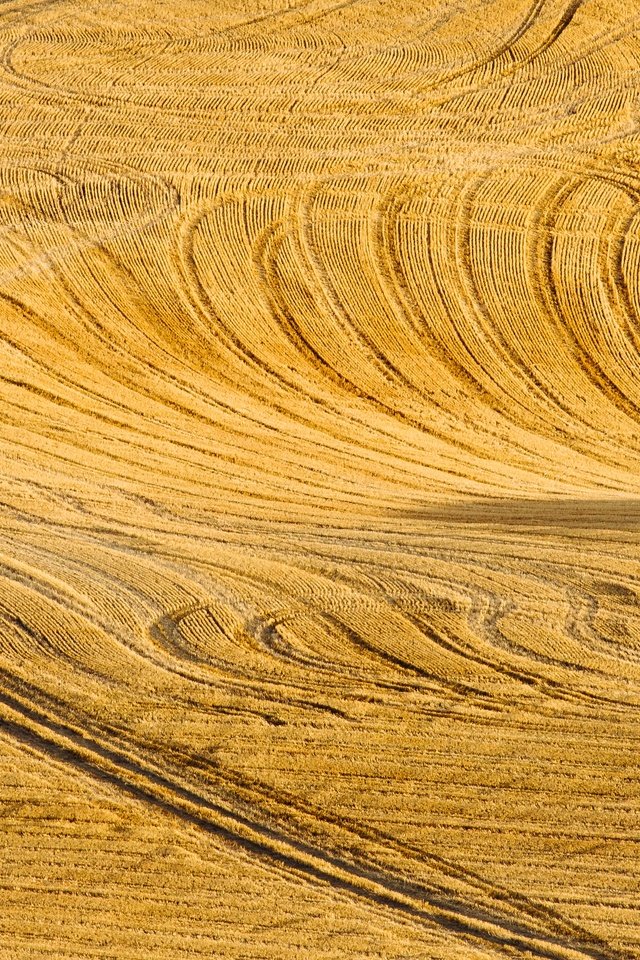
[{"x": 320, "y": 480}]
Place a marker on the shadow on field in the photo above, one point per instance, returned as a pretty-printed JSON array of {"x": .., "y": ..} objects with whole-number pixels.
[{"x": 599, "y": 514}]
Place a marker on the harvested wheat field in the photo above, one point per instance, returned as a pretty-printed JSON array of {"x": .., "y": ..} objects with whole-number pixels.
[{"x": 320, "y": 480}]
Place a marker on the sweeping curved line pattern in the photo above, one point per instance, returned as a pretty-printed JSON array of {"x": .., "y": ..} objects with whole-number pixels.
[{"x": 319, "y": 498}]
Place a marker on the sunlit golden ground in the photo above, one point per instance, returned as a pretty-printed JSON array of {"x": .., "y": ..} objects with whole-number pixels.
[{"x": 320, "y": 480}]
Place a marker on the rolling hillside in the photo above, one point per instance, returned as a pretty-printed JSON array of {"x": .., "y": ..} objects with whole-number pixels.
[{"x": 320, "y": 480}]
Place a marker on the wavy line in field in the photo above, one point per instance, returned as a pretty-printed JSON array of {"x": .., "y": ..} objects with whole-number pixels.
[
  {"x": 353, "y": 878},
  {"x": 315, "y": 591},
  {"x": 260, "y": 344},
  {"x": 251, "y": 353}
]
